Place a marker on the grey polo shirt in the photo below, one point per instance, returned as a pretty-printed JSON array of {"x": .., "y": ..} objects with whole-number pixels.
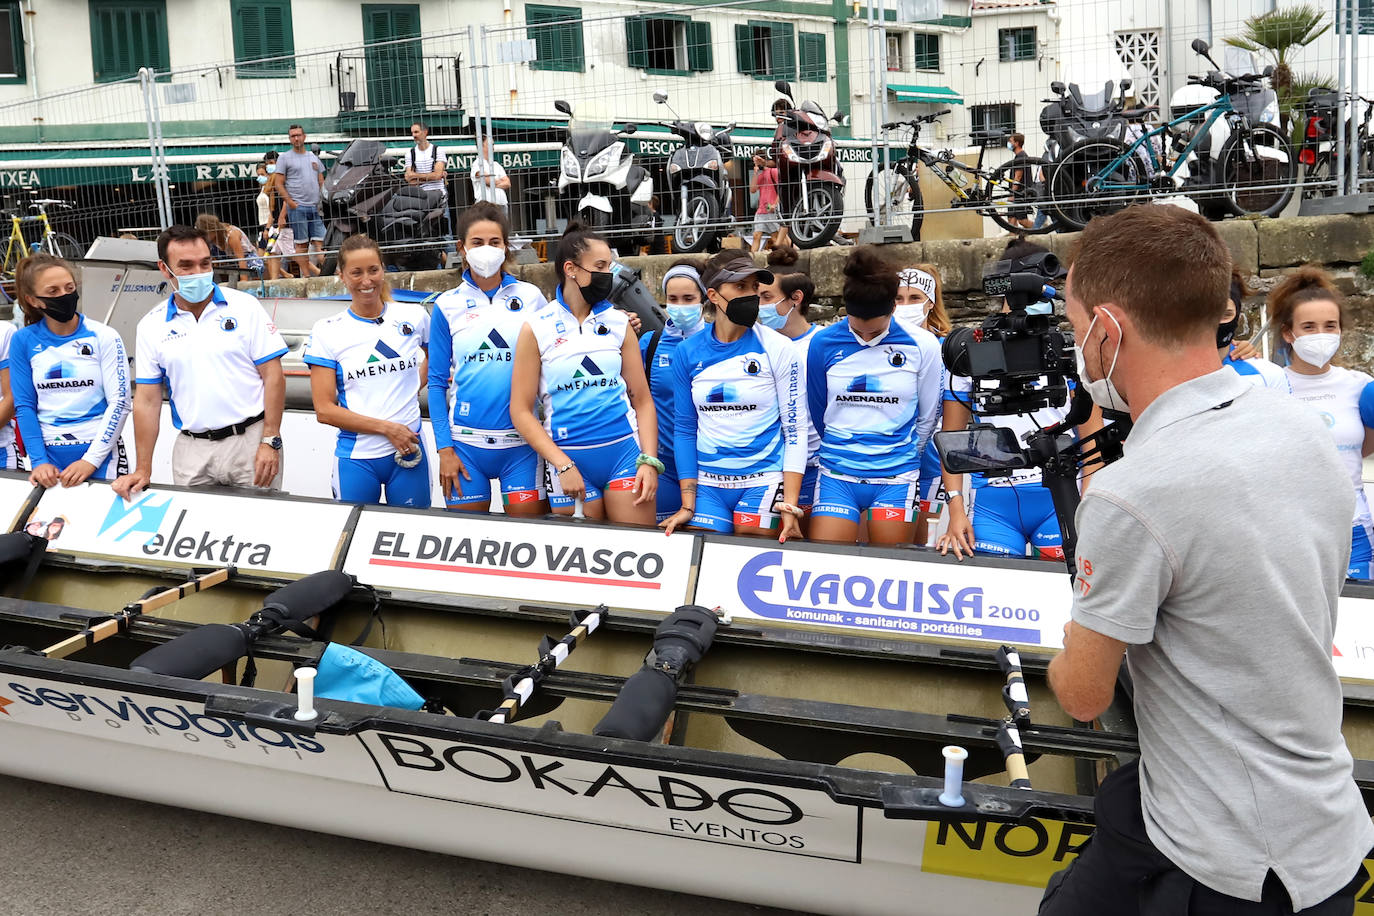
[{"x": 1216, "y": 548}]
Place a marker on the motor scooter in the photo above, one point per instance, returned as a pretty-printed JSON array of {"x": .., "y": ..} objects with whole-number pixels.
[
  {"x": 601, "y": 185},
  {"x": 810, "y": 180},
  {"x": 699, "y": 181}
]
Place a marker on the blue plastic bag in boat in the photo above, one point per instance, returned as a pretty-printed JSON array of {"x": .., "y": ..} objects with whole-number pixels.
[{"x": 347, "y": 674}]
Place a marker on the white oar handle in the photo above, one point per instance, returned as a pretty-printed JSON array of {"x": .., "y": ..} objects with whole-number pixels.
[
  {"x": 953, "y": 796},
  {"x": 305, "y": 694}
]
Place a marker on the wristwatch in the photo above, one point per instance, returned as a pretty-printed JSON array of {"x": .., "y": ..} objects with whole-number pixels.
[
  {"x": 950, "y": 496},
  {"x": 274, "y": 441},
  {"x": 566, "y": 468}
]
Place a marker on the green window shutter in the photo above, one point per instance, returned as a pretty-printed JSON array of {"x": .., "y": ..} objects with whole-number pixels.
[
  {"x": 12, "y": 34},
  {"x": 128, "y": 35},
  {"x": 262, "y": 29},
  {"x": 557, "y": 34},
  {"x": 744, "y": 49},
  {"x": 636, "y": 42},
  {"x": 784, "y": 51},
  {"x": 699, "y": 55},
  {"x": 811, "y": 51}
]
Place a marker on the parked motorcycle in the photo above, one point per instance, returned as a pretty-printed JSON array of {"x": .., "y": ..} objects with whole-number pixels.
[
  {"x": 699, "y": 180},
  {"x": 362, "y": 193},
  {"x": 602, "y": 186},
  {"x": 810, "y": 179}
]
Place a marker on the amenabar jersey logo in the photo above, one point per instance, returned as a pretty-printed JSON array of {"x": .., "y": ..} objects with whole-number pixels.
[
  {"x": 589, "y": 367},
  {"x": 494, "y": 341}
]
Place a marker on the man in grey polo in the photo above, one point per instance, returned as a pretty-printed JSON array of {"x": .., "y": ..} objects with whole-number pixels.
[
  {"x": 299, "y": 177},
  {"x": 1243, "y": 800}
]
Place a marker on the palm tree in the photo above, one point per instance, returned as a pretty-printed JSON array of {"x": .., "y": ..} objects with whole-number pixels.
[{"x": 1278, "y": 34}]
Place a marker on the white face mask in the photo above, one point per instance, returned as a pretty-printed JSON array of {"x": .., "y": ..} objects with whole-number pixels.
[
  {"x": 1316, "y": 349},
  {"x": 485, "y": 260},
  {"x": 1102, "y": 391},
  {"x": 912, "y": 314}
]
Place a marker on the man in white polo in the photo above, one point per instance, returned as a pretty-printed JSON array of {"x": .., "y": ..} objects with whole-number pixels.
[{"x": 220, "y": 356}]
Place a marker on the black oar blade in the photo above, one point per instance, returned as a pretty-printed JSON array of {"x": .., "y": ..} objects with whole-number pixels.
[
  {"x": 197, "y": 653},
  {"x": 309, "y": 597},
  {"x": 17, "y": 546}
]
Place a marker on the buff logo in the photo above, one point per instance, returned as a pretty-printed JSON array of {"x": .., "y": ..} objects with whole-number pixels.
[
  {"x": 165, "y": 719},
  {"x": 789, "y": 587}
]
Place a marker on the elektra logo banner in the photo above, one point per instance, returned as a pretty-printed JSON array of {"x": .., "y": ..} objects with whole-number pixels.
[
  {"x": 735, "y": 813},
  {"x": 191, "y": 529},
  {"x": 878, "y": 594},
  {"x": 565, "y": 564}
]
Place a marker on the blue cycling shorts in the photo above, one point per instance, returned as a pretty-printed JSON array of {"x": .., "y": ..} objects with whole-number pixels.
[
  {"x": 516, "y": 469},
  {"x": 603, "y": 467},
  {"x": 9, "y": 458},
  {"x": 1008, "y": 519},
  {"x": 723, "y": 509},
  {"x": 810, "y": 480},
  {"x": 890, "y": 501},
  {"x": 362, "y": 480},
  {"x": 669, "y": 498},
  {"x": 1361, "y": 552},
  {"x": 62, "y": 456}
]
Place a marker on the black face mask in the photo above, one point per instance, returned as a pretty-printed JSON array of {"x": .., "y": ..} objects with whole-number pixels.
[
  {"x": 743, "y": 310},
  {"x": 60, "y": 308},
  {"x": 598, "y": 287},
  {"x": 1226, "y": 331},
  {"x": 867, "y": 310}
]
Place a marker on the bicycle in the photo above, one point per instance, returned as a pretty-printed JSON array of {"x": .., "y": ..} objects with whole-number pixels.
[
  {"x": 1254, "y": 172},
  {"x": 1007, "y": 193},
  {"x": 1316, "y": 153},
  {"x": 57, "y": 243}
]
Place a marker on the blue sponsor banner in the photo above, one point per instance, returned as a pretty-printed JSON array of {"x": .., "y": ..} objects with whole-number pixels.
[{"x": 891, "y": 595}]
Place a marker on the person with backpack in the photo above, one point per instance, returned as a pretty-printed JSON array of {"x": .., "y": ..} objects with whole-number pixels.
[{"x": 427, "y": 170}]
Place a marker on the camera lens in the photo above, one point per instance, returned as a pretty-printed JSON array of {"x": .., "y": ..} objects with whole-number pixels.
[{"x": 955, "y": 351}]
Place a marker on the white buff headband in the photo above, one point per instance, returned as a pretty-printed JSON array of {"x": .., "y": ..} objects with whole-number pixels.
[
  {"x": 684, "y": 270},
  {"x": 917, "y": 279}
]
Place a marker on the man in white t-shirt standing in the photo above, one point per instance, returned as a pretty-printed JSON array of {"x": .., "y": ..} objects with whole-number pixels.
[
  {"x": 426, "y": 169},
  {"x": 489, "y": 180},
  {"x": 219, "y": 354}
]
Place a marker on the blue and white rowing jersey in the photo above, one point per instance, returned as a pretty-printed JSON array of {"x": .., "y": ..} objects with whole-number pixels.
[
  {"x": 874, "y": 402},
  {"x": 472, "y": 343},
  {"x": 661, "y": 382},
  {"x": 813, "y": 437},
  {"x": 581, "y": 391},
  {"x": 70, "y": 390},
  {"x": 376, "y": 363},
  {"x": 1335, "y": 395},
  {"x": 745, "y": 422},
  {"x": 1261, "y": 373},
  {"x": 7, "y": 330}
]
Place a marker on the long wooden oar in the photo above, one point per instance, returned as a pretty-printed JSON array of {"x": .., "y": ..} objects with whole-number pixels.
[
  {"x": 521, "y": 685},
  {"x": 1017, "y": 701},
  {"x": 118, "y": 623}
]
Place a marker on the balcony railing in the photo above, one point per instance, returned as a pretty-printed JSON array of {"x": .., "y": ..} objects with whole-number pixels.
[{"x": 396, "y": 81}]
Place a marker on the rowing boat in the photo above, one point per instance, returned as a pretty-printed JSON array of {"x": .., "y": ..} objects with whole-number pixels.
[{"x": 802, "y": 764}]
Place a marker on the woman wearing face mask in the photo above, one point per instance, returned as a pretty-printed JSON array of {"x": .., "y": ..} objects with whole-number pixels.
[
  {"x": 580, "y": 359},
  {"x": 785, "y": 306},
  {"x": 683, "y": 293},
  {"x": 1241, "y": 356},
  {"x": 366, "y": 364},
  {"x": 473, "y": 334},
  {"x": 921, "y": 304},
  {"x": 873, "y": 387},
  {"x": 741, "y": 417},
  {"x": 1308, "y": 315},
  {"x": 1005, "y": 515},
  {"x": 70, "y": 379}
]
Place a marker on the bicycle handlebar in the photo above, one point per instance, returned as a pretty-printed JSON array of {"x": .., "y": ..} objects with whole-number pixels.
[
  {"x": 49, "y": 202},
  {"x": 923, "y": 119}
]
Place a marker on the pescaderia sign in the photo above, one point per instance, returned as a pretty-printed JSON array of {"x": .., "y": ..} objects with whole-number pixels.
[
  {"x": 770, "y": 818},
  {"x": 558, "y": 563},
  {"x": 888, "y": 595},
  {"x": 179, "y": 528}
]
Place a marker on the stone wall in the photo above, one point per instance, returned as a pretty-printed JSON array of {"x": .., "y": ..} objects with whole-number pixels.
[{"x": 1263, "y": 249}]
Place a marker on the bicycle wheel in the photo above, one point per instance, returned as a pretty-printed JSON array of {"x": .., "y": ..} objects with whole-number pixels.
[
  {"x": 1258, "y": 174},
  {"x": 1318, "y": 179},
  {"x": 64, "y": 246},
  {"x": 900, "y": 195},
  {"x": 1085, "y": 183},
  {"x": 1008, "y": 199}
]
